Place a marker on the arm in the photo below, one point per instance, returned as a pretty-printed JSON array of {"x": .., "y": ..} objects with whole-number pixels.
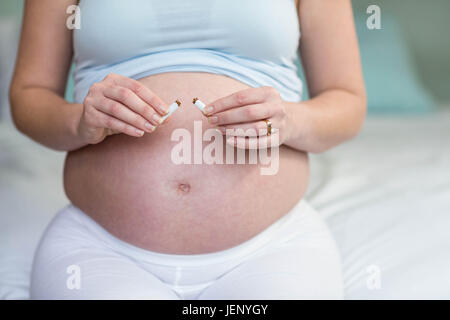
[
  {"x": 115, "y": 105},
  {"x": 42, "y": 66},
  {"x": 337, "y": 106},
  {"x": 330, "y": 56}
]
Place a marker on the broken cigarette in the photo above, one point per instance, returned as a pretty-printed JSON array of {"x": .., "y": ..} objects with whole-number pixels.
[
  {"x": 200, "y": 105},
  {"x": 172, "y": 108}
]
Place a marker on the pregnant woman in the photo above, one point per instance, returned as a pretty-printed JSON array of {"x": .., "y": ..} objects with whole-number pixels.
[{"x": 142, "y": 226}]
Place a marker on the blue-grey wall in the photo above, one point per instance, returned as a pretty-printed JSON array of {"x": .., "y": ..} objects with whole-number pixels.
[{"x": 426, "y": 27}]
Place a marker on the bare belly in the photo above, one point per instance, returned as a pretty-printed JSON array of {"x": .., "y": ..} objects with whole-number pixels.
[{"x": 134, "y": 189}]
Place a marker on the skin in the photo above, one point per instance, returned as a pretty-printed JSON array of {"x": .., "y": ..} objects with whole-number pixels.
[{"x": 121, "y": 116}]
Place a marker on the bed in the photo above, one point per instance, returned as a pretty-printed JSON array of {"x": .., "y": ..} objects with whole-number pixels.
[{"x": 385, "y": 196}]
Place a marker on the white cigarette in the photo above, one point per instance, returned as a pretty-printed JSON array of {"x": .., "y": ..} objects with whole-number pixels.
[
  {"x": 200, "y": 105},
  {"x": 172, "y": 108}
]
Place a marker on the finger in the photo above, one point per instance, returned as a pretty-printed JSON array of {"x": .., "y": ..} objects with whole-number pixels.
[
  {"x": 117, "y": 125},
  {"x": 147, "y": 95},
  {"x": 244, "y": 114},
  {"x": 121, "y": 112},
  {"x": 239, "y": 99},
  {"x": 250, "y": 129},
  {"x": 262, "y": 142},
  {"x": 129, "y": 99}
]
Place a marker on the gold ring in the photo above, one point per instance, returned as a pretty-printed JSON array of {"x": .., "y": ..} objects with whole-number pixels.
[{"x": 269, "y": 126}]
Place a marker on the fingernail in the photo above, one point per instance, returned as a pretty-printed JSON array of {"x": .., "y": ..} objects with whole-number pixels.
[
  {"x": 213, "y": 119},
  {"x": 140, "y": 132},
  {"x": 157, "y": 118},
  {"x": 209, "y": 109},
  {"x": 165, "y": 110},
  {"x": 149, "y": 126}
]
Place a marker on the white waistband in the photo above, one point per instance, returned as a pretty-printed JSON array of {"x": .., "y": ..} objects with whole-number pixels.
[{"x": 275, "y": 231}]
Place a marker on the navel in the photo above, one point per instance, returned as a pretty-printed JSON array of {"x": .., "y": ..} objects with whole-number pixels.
[{"x": 184, "y": 188}]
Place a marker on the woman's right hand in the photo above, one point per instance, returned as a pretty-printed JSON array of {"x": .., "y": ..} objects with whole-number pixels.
[{"x": 119, "y": 105}]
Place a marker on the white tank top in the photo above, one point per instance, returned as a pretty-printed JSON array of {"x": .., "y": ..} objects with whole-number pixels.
[{"x": 253, "y": 41}]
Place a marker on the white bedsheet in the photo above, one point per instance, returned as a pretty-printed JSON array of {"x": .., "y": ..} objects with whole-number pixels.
[{"x": 385, "y": 195}]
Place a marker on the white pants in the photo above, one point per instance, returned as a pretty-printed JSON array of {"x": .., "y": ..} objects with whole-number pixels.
[{"x": 295, "y": 258}]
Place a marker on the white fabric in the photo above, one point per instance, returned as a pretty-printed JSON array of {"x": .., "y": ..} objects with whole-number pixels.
[
  {"x": 295, "y": 258},
  {"x": 385, "y": 196},
  {"x": 31, "y": 192}
]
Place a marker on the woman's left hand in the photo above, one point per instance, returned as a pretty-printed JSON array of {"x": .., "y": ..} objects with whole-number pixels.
[{"x": 241, "y": 117}]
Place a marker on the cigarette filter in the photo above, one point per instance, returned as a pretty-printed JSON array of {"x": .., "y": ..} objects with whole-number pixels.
[
  {"x": 172, "y": 108},
  {"x": 200, "y": 105}
]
